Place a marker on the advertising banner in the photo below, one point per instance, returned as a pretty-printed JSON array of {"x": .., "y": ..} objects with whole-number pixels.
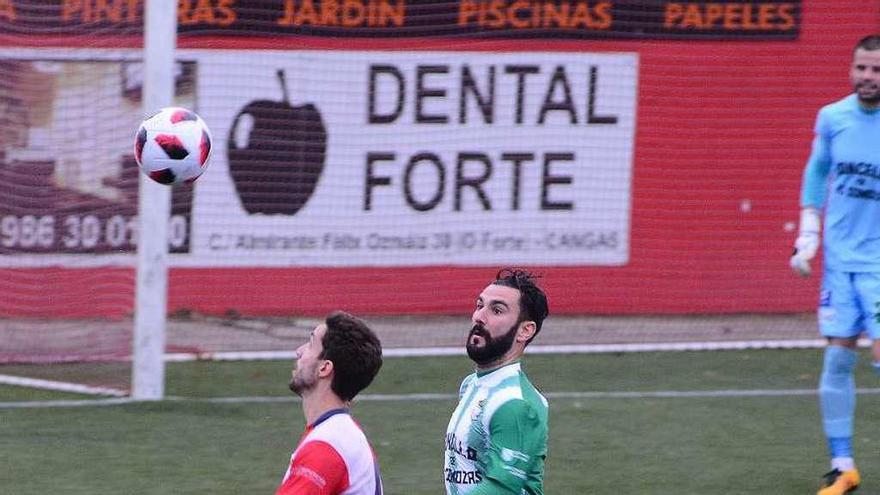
[
  {"x": 334, "y": 159},
  {"x": 394, "y": 159},
  {"x": 414, "y": 19},
  {"x": 68, "y": 178}
]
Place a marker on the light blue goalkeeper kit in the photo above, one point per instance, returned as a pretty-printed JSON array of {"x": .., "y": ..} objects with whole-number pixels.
[
  {"x": 845, "y": 166},
  {"x": 847, "y": 147},
  {"x": 496, "y": 440}
]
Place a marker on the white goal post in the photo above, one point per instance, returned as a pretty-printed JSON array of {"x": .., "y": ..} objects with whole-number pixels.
[{"x": 154, "y": 207}]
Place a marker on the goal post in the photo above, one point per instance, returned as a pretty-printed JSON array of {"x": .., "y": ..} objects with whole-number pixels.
[{"x": 154, "y": 207}]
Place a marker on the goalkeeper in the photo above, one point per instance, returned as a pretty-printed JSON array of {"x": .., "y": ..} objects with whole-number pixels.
[{"x": 845, "y": 166}]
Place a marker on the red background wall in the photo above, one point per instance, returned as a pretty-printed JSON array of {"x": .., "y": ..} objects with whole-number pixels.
[{"x": 718, "y": 123}]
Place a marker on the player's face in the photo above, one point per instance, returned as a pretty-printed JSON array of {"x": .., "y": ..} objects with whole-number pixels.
[
  {"x": 305, "y": 373},
  {"x": 495, "y": 324},
  {"x": 865, "y": 76}
]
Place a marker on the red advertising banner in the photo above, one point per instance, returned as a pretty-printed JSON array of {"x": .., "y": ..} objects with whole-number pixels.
[{"x": 721, "y": 132}]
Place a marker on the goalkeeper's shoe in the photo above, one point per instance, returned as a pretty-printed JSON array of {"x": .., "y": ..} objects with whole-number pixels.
[{"x": 839, "y": 482}]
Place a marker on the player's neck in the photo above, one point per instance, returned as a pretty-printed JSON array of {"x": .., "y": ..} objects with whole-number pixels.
[
  {"x": 508, "y": 358},
  {"x": 511, "y": 356},
  {"x": 314, "y": 405}
]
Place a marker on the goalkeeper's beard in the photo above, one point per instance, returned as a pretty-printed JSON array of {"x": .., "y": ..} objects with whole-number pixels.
[
  {"x": 493, "y": 348},
  {"x": 868, "y": 93}
]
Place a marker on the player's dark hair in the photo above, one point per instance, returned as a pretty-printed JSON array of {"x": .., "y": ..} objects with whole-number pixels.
[
  {"x": 532, "y": 300},
  {"x": 355, "y": 351},
  {"x": 870, "y": 43}
]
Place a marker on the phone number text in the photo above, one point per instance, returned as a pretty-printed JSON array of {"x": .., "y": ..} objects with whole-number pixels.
[{"x": 79, "y": 233}]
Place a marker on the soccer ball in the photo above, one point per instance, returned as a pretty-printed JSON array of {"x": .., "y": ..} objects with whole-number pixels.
[{"x": 173, "y": 146}]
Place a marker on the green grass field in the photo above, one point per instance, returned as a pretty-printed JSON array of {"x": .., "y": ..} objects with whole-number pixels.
[{"x": 700, "y": 444}]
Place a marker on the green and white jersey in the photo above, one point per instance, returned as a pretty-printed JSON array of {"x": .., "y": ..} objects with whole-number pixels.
[{"x": 496, "y": 440}]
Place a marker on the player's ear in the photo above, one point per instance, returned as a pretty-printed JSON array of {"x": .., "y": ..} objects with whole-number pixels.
[
  {"x": 325, "y": 369},
  {"x": 526, "y": 331}
]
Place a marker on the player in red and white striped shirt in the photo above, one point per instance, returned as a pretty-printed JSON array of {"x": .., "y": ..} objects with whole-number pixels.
[{"x": 334, "y": 457}]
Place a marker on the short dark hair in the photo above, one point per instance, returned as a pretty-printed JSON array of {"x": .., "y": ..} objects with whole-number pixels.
[
  {"x": 355, "y": 351},
  {"x": 532, "y": 300},
  {"x": 870, "y": 43}
]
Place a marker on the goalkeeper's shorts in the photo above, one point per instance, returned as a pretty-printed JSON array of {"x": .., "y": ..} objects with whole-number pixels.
[{"x": 849, "y": 304}]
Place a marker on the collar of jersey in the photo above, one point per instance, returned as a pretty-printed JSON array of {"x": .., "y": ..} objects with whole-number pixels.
[
  {"x": 327, "y": 415},
  {"x": 505, "y": 370}
]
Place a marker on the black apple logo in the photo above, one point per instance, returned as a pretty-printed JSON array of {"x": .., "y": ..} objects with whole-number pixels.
[{"x": 278, "y": 168}]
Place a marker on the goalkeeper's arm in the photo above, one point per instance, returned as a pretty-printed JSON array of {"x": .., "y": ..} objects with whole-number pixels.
[{"x": 812, "y": 198}]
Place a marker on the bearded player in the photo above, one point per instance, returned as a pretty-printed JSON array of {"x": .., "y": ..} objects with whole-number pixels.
[
  {"x": 845, "y": 166},
  {"x": 496, "y": 440}
]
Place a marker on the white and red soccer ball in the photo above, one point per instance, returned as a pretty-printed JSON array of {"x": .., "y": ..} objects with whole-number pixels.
[{"x": 173, "y": 146}]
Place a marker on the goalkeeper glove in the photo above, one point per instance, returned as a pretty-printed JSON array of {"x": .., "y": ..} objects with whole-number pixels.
[{"x": 807, "y": 242}]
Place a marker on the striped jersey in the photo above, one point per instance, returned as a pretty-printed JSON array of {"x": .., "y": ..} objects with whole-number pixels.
[
  {"x": 496, "y": 440},
  {"x": 333, "y": 458}
]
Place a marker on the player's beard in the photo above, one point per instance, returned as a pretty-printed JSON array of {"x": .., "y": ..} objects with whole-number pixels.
[
  {"x": 493, "y": 348},
  {"x": 871, "y": 94},
  {"x": 301, "y": 381}
]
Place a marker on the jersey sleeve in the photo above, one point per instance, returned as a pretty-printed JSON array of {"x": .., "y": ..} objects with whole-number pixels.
[
  {"x": 815, "y": 178},
  {"x": 517, "y": 445},
  {"x": 316, "y": 469}
]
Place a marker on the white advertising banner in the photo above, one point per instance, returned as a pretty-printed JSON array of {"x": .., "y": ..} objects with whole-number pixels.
[
  {"x": 329, "y": 158},
  {"x": 418, "y": 158}
]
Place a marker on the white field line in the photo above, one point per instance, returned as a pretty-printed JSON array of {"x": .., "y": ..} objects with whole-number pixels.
[
  {"x": 534, "y": 349},
  {"x": 655, "y": 394},
  {"x": 432, "y": 351},
  {"x": 60, "y": 386}
]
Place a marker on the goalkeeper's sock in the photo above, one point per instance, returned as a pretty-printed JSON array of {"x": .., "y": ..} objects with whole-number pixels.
[
  {"x": 840, "y": 448},
  {"x": 843, "y": 464},
  {"x": 837, "y": 398}
]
